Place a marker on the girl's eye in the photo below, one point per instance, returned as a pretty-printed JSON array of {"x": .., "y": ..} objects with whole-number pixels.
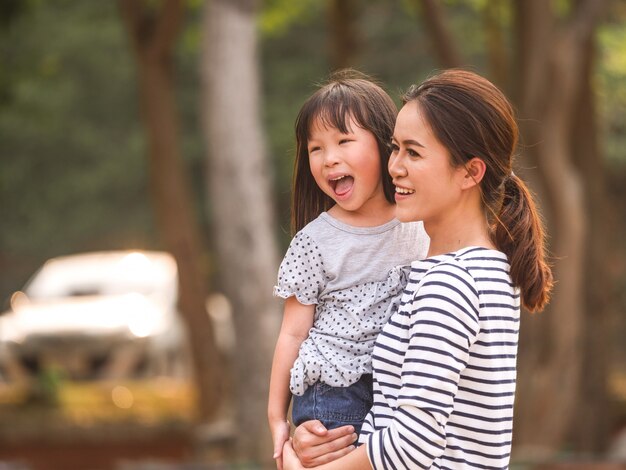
[
  {"x": 313, "y": 149},
  {"x": 344, "y": 141}
]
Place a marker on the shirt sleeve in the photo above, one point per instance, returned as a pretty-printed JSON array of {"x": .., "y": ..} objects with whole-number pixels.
[
  {"x": 443, "y": 323},
  {"x": 301, "y": 272}
]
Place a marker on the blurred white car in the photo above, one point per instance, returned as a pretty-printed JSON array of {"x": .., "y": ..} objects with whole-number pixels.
[{"x": 96, "y": 315}]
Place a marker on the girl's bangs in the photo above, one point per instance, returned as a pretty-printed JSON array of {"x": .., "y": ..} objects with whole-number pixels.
[{"x": 334, "y": 110}]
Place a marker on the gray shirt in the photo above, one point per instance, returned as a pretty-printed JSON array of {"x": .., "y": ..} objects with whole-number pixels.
[{"x": 351, "y": 275}]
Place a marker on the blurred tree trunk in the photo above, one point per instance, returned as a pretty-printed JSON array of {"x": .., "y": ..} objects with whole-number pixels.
[
  {"x": 239, "y": 177},
  {"x": 443, "y": 43},
  {"x": 551, "y": 351},
  {"x": 592, "y": 427},
  {"x": 343, "y": 42},
  {"x": 496, "y": 43},
  {"x": 153, "y": 31}
]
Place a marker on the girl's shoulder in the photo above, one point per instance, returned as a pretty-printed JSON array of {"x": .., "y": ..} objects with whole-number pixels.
[
  {"x": 416, "y": 235},
  {"x": 325, "y": 225}
]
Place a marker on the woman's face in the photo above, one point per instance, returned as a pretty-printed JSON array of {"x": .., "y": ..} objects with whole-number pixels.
[{"x": 428, "y": 188}]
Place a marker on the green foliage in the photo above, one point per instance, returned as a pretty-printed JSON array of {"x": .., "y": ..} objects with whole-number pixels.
[
  {"x": 44, "y": 390},
  {"x": 562, "y": 8},
  {"x": 610, "y": 79},
  {"x": 73, "y": 170},
  {"x": 278, "y": 16}
]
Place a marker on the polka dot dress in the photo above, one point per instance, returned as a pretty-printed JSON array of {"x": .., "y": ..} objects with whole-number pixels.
[{"x": 349, "y": 317}]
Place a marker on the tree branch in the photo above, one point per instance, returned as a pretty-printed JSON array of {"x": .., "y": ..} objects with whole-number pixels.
[
  {"x": 534, "y": 24},
  {"x": 496, "y": 49},
  {"x": 585, "y": 17},
  {"x": 132, "y": 18},
  {"x": 343, "y": 33},
  {"x": 167, "y": 27},
  {"x": 441, "y": 38}
]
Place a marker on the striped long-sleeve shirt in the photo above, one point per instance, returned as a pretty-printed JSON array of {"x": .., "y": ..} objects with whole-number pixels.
[{"x": 444, "y": 367}]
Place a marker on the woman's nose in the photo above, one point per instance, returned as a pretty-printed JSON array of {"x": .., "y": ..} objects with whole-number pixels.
[{"x": 395, "y": 167}]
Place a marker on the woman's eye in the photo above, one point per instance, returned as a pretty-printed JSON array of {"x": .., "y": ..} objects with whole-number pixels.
[
  {"x": 412, "y": 153},
  {"x": 394, "y": 148}
]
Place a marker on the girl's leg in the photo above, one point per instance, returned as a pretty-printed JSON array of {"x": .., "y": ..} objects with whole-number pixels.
[{"x": 335, "y": 406}]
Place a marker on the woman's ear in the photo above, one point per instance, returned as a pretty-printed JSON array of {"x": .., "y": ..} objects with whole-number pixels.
[{"x": 474, "y": 172}]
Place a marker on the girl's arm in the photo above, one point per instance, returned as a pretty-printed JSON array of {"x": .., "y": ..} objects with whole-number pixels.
[{"x": 297, "y": 321}]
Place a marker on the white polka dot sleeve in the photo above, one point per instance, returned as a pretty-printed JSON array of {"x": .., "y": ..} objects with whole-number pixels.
[{"x": 302, "y": 271}]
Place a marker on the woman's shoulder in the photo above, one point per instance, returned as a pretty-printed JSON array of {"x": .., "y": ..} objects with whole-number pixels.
[
  {"x": 466, "y": 258},
  {"x": 485, "y": 265},
  {"x": 468, "y": 266},
  {"x": 481, "y": 254}
]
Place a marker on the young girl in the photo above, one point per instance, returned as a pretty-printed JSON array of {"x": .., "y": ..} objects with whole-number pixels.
[
  {"x": 343, "y": 266},
  {"x": 444, "y": 365}
]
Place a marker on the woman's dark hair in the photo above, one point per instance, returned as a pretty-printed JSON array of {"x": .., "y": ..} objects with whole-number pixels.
[
  {"x": 471, "y": 117},
  {"x": 347, "y": 94}
]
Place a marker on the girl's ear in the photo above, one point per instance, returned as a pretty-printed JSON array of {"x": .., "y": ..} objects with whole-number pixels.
[{"x": 474, "y": 172}]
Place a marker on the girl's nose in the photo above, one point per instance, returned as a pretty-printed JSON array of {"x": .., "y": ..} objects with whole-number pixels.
[{"x": 331, "y": 157}]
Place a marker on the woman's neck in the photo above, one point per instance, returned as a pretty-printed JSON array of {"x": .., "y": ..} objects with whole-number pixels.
[{"x": 457, "y": 232}]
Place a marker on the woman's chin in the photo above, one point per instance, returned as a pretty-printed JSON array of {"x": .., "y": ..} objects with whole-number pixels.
[{"x": 406, "y": 216}]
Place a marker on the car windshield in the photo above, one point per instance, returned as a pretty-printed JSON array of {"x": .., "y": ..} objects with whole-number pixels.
[{"x": 103, "y": 274}]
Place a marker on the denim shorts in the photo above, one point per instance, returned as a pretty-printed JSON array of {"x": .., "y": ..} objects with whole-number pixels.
[{"x": 334, "y": 406}]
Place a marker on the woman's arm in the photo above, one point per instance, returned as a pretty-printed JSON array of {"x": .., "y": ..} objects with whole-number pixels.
[
  {"x": 441, "y": 323},
  {"x": 297, "y": 321}
]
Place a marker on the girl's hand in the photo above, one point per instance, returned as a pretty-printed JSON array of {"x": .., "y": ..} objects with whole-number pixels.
[
  {"x": 290, "y": 459},
  {"x": 280, "y": 435},
  {"x": 315, "y": 445}
]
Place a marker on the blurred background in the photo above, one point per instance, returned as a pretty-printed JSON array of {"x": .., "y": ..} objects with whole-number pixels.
[{"x": 146, "y": 150}]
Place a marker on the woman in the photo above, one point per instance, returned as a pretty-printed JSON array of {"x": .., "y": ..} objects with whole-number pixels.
[{"x": 444, "y": 365}]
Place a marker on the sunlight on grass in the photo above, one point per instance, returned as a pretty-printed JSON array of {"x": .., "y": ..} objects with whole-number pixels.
[
  {"x": 160, "y": 402},
  {"x": 617, "y": 386},
  {"x": 147, "y": 402}
]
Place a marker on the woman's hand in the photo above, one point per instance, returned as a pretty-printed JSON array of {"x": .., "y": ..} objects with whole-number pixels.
[{"x": 315, "y": 445}]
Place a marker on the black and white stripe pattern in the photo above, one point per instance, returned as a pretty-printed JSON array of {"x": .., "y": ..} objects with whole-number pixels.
[{"x": 445, "y": 366}]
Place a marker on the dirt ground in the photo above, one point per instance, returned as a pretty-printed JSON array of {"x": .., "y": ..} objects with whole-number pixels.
[
  {"x": 96, "y": 425},
  {"x": 94, "y": 455}
]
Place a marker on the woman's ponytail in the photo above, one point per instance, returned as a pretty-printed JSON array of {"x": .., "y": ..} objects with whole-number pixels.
[
  {"x": 520, "y": 235},
  {"x": 472, "y": 118}
]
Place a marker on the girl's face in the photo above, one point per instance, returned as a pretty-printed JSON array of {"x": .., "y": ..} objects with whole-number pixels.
[
  {"x": 346, "y": 166},
  {"x": 428, "y": 188}
]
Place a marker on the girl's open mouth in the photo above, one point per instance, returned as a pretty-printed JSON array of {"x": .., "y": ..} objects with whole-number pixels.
[{"x": 342, "y": 184}]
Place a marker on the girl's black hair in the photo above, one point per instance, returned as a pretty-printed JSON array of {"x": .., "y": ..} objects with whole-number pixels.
[{"x": 347, "y": 94}]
